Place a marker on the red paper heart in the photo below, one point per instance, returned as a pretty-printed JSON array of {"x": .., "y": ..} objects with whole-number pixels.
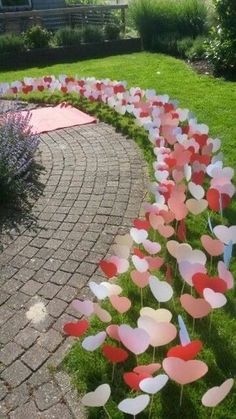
[
  {"x": 114, "y": 354},
  {"x": 76, "y": 329},
  {"x": 132, "y": 379},
  {"x": 168, "y": 107},
  {"x": 201, "y": 139},
  {"x": 141, "y": 224},
  {"x": 186, "y": 352},
  {"x": 14, "y": 90},
  {"x": 181, "y": 231},
  {"x": 48, "y": 79},
  {"x": 202, "y": 281},
  {"x": 41, "y": 88},
  {"x": 198, "y": 177},
  {"x": 138, "y": 252},
  {"x": 171, "y": 162},
  {"x": 213, "y": 198},
  {"x": 64, "y": 89},
  {"x": 108, "y": 268}
]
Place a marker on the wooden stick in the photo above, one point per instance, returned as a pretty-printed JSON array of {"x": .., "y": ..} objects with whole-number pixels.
[
  {"x": 113, "y": 372},
  {"x": 106, "y": 411},
  {"x": 181, "y": 395},
  {"x": 150, "y": 409}
]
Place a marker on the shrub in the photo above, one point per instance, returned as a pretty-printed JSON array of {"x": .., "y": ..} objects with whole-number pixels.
[
  {"x": 221, "y": 50},
  {"x": 193, "y": 49},
  {"x": 184, "y": 45},
  {"x": 11, "y": 43},
  {"x": 37, "y": 37},
  {"x": 68, "y": 37},
  {"x": 157, "y": 18},
  {"x": 112, "y": 31},
  {"x": 92, "y": 34},
  {"x": 17, "y": 147}
]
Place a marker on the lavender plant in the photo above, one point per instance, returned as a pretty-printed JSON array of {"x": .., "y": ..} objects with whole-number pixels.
[{"x": 17, "y": 147}]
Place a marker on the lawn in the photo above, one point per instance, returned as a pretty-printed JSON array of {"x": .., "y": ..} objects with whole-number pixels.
[{"x": 213, "y": 101}]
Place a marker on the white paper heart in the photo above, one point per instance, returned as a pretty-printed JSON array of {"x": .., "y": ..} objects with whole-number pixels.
[
  {"x": 140, "y": 264},
  {"x": 113, "y": 289},
  {"x": 196, "y": 191},
  {"x": 159, "y": 315},
  {"x": 98, "y": 290},
  {"x": 161, "y": 290},
  {"x": 136, "y": 340},
  {"x": 216, "y": 394},
  {"x": 91, "y": 343},
  {"x": 134, "y": 406},
  {"x": 215, "y": 299},
  {"x": 153, "y": 384},
  {"x": 139, "y": 236},
  {"x": 97, "y": 398}
]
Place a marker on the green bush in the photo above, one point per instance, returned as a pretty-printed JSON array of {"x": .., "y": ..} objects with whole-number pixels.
[
  {"x": 11, "y": 43},
  {"x": 92, "y": 34},
  {"x": 183, "y": 46},
  {"x": 68, "y": 37},
  {"x": 112, "y": 31},
  {"x": 221, "y": 50},
  {"x": 157, "y": 18},
  {"x": 37, "y": 37},
  {"x": 198, "y": 49}
]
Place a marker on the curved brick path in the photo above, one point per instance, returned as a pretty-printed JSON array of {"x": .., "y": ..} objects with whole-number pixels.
[{"x": 94, "y": 185}]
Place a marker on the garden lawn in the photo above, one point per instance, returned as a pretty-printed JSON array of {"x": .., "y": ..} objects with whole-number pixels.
[{"x": 213, "y": 101}]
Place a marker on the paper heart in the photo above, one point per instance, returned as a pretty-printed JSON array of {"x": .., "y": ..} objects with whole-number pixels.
[
  {"x": 201, "y": 281},
  {"x": 215, "y": 299},
  {"x": 216, "y": 395},
  {"x": 98, "y": 397},
  {"x": 225, "y": 274},
  {"x": 225, "y": 234},
  {"x": 91, "y": 343},
  {"x": 121, "y": 251},
  {"x": 140, "y": 264},
  {"x": 151, "y": 247},
  {"x": 198, "y": 177},
  {"x": 102, "y": 314},
  {"x": 76, "y": 329},
  {"x": 188, "y": 269},
  {"x": 136, "y": 340},
  {"x": 140, "y": 278},
  {"x": 141, "y": 224},
  {"x": 166, "y": 230},
  {"x": 196, "y": 307},
  {"x": 161, "y": 290},
  {"x": 161, "y": 175},
  {"x": 154, "y": 263},
  {"x": 178, "y": 208},
  {"x": 114, "y": 354},
  {"x": 156, "y": 220},
  {"x": 98, "y": 290},
  {"x": 113, "y": 289},
  {"x": 160, "y": 333},
  {"x": 121, "y": 304},
  {"x": 149, "y": 369},
  {"x": 152, "y": 385},
  {"x": 177, "y": 249},
  {"x": 216, "y": 200},
  {"x": 134, "y": 406},
  {"x": 139, "y": 236},
  {"x": 184, "y": 372},
  {"x": 133, "y": 379},
  {"x": 192, "y": 256},
  {"x": 186, "y": 352},
  {"x": 177, "y": 175},
  {"x": 85, "y": 307},
  {"x": 213, "y": 247},
  {"x": 113, "y": 331},
  {"x": 122, "y": 265},
  {"x": 159, "y": 315},
  {"x": 195, "y": 206},
  {"x": 125, "y": 240},
  {"x": 108, "y": 268}
]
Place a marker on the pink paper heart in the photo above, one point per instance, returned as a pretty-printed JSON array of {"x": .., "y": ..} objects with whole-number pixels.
[
  {"x": 215, "y": 395},
  {"x": 147, "y": 369},
  {"x": 188, "y": 269},
  {"x": 113, "y": 331},
  {"x": 166, "y": 231},
  {"x": 140, "y": 278},
  {"x": 184, "y": 372},
  {"x": 178, "y": 208},
  {"x": 196, "y": 307},
  {"x": 225, "y": 274},
  {"x": 195, "y": 206},
  {"x": 136, "y": 340},
  {"x": 214, "y": 247},
  {"x": 122, "y": 265},
  {"x": 156, "y": 221},
  {"x": 85, "y": 307},
  {"x": 121, "y": 304},
  {"x": 154, "y": 262},
  {"x": 151, "y": 247},
  {"x": 161, "y": 333}
]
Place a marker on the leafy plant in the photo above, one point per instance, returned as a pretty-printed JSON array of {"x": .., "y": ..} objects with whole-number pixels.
[
  {"x": 92, "y": 34},
  {"x": 17, "y": 147},
  {"x": 37, "y": 37},
  {"x": 184, "y": 45},
  {"x": 11, "y": 43},
  {"x": 112, "y": 31},
  {"x": 68, "y": 37}
]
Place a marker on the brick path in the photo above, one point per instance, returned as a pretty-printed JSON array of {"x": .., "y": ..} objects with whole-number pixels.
[{"x": 94, "y": 186}]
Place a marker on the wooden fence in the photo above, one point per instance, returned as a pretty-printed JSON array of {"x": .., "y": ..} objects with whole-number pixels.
[{"x": 52, "y": 19}]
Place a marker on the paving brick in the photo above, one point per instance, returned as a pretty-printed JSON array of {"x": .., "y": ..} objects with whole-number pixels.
[
  {"x": 58, "y": 411},
  {"x": 53, "y": 264},
  {"x": 47, "y": 395},
  {"x": 27, "y": 337},
  {"x": 18, "y": 396},
  {"x": 49, "y": 290},
  {"x": 5, "y": 314},
  {"x": 3, "y": 390},
  {"x": 10, "y": 329},
  {"x": 67, "y": 293},
  {"x": 56, "y": 307},
  {"x": 60, "y": 277},
  {"x": 35, "y": 357},
  {"x": 50, "y": 340},
  {"x": 24, "y": 274},
  {"x": 31, "y": 287},
  {"x": 18, "y": 300},
  {"x": 28, "y": 410},
  {"x": 10, "y": 352},
  {"x": 43, "y": 275},
  {"x": 16, "y": 373}
]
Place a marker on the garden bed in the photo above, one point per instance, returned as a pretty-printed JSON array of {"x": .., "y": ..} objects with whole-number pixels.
[{"x": 42, "y": 56}]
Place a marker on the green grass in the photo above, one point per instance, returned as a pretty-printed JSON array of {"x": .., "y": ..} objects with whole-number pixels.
[{"x": 213, "y": 101}]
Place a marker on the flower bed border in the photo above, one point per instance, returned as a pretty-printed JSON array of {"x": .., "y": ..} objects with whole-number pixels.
[{"x": 43, "y": 56}]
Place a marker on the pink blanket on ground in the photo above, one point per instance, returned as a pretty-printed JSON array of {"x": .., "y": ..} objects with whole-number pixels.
[{"x": 61, "y": 116}]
